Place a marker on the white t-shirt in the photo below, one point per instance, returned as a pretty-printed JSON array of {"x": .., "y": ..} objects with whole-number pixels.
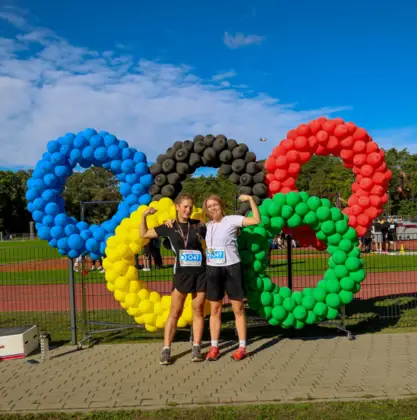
[{"x": 221, "y": 241}]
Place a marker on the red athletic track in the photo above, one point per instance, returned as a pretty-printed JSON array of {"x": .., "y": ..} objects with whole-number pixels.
[{"x": 56, "y": 297}]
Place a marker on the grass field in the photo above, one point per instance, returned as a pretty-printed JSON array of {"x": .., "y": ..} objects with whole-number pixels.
[{"x": 404, "y": 409}]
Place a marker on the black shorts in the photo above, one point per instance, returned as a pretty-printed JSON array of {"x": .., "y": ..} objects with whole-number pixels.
[
  {"x": 392, "y": 237},
  {"x": 227, "y": 279},
  {"x": 189, "y": 282}
]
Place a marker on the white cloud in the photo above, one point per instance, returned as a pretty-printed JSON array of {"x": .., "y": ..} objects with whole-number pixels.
[
  {"x": 400, "y": 138},
  {"x": 49, "y": 87},
  {"x": 225, "y": 75},
  {"x": 241, "y": 40}
]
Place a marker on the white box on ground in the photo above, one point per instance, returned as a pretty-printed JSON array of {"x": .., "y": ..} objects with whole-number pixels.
[{"x": 18, "y": 342}]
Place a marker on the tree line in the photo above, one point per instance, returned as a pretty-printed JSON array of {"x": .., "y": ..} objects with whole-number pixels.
[{"x": 322, "y": 176}]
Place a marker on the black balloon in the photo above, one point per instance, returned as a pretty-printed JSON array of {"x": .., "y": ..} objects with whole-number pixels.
[
  {"x": 208, "y": 140},
  {"x": 188, "y": 145},
  {"x": 244, "y": 146},
  {"x": 198, "y": 137},
  {"x": 160, "y": 180},
  {"x": 181, "y": 155},
  {"x": 170, "y": 153},
  {"x": 259, "y": 178},
  {"x": 194, "y": 160},
  {"x": 246, "y": 179},
  {"x": 177, "y": 145},
  {"x": 238, "y": 166},
  {"x": 250, "y": 157},
  {"x": 231, "y": 144},
  {"x": 244, "y": 190},
  {"x": 161, "y": 159},
  {"x": 226, "y": 156},
  {"x": 219, "y": 143},
  {"x": 157, "y": 197},
  {"x": 154, "y": 189},
  {"x": 199, "y": 147},
  {"x": 209, "y": 154},
  {"x": 252, "y": 168},
  {"x": 260, "y": 190},
  {"x": 182, "y": 168},
  {"x": 155, "y": 169},
  {"x": 168, "y": 191},
  {"x": 225, "y": 169},
  {"x": 234, "y": 177},
  {"x": 173, "y": 178},
  {"x": 238, "y": 152},
  {"x": 168, "y": 165}
]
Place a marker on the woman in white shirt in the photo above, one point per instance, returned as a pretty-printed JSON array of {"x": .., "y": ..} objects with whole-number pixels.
[{"x": 224, "y": 272}]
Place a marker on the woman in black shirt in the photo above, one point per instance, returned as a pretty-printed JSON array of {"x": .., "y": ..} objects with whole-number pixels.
[{"x": 186, "y": 237}]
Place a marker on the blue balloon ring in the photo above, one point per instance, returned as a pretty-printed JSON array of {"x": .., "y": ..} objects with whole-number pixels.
[{"x": 87, "y": 148}]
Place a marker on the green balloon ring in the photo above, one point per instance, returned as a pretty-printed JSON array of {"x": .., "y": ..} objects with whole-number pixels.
[{"x": 281, "y": 306}]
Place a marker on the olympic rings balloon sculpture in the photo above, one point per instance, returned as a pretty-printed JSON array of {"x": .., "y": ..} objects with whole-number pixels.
[
  {"x": 45, "y": 187},
  {"x": 312, "y": 221}
]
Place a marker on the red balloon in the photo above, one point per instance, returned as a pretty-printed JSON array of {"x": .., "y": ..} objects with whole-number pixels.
[
  {"x": 286, "y": 190},
  {"x": 347, "y": 143},
  {"x": 321, "y": 120},
  {"x": 281, "y": 161},
  {"x": 338, "y": 121},
  {"x": 301, "y": 143},
  {"x": 275, "y": 151},
  {"x": 360, "y": 134},
  {"x": 377, "y": 190},
  {"x": 359, "y": 159},
  {"x": 374, "y": 159},
  {"x": 388, "y": 174},
  {"x": 322, "y": 137},
  {"x": 287, "y": 144},
  {"x": 375, "y": 201},
  {"x": 356, "y": 210},
  {"x": 333, "y": 143},
  {"x": 373, "y": 212},
  {"x": 314, "y": 127},
  {"x": 293, "y": 169},
  {"x": 381, "y": 168},
  {"x": 347, "y": 211},
  {"x": 329, "y": 126},
  {"x": 347, "y": 154},
  {"x": 371, "y": 147},
  {"x": 341, "y": 131},
  {"x": 313, "y": 143},
  {"x": 275, "y": 186},
  {"x": 384, "y": 198},
  {"x": 353, "y": 200},
  {"x": 303, "y": 130},
  {"x": 356, "y": 170},
  {"x": 280, "y": 174},
  {"x": 363, "y": 201},
  {"x": 352, "y": 220},
  {"x": 367, "y": 170},
  {"x": 292, "y": 134},
  {"x": 269, "y": 178},
  {"x": 362, "y": 193},
  {"x": 359, "y": 146},
  {"x": 361, "y": 229},
  {"x": 270, "y": 164},
  {"x": 289, "y": 182},
  {"x": 293, "y": 156},
  {"x": 355, "y": 186},
  {"x": 366, "y": 184},
  {"x": 304, "y": 157},
  {"x": 378, "y": 178}
]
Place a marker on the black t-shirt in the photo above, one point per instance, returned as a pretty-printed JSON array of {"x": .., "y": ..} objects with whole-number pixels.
[
  {"x": 377, "y": 227},
  {"x": 393, "y": 227},
  {"x": 196, "y": 235},
  {"x": 385, "y": 228}
]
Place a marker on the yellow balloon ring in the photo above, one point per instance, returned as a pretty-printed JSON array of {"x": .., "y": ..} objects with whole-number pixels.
[{"x": 146, "y": 306}]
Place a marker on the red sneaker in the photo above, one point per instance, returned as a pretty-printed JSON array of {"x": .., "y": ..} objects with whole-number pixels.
[
  {"x": 239, "y": 354},
  {"x": 213, "y": 354}
]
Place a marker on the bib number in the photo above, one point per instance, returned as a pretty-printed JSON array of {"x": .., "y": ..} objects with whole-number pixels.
[
  {"x": 190, "y": 258},
  {"x": 216, "y": 256}
]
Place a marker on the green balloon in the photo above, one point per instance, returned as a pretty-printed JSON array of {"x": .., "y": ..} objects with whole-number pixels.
[
  {"x": 341, "y": 271},
  {"x": 308, "y": 302},
  {"x": 332, "y": 313},
  {"x": 358, "y": 276},
  {"x": 300, "y": 313},
  {"x": 297, "y": 297},
  {"x": 287, "y": 211},
  {"x": 330, "y": 275},
  {"x": 274, "y": 209},
  {"x": 322, "y": 284},
  {"x": 277, "y": 224},
  {"x": 246, "y": 257},
  {"x": 331, "y": 249},
  {"x": 279, "y": 313},
  {"x": 265, "y": 220},
  {"x": 334, "y": 239},
  {"x": 353, "y": 264},
  {"x": 308, "y": 291},
  {"x": 346, "y": 245},
  {"x": 273, "y": 322},
  {"x": 302, "y": 209},
  {"x": 285, "y": 292},
  {"x": 321, "y": 236},
  {"x": 289, "y": 321},
  {"x": 341, "y": 227},
  {"x": 299, "y": 324},
  {"x": 278, "y": 300},
  {"x": 294, "y": 221},
  {"x": 356, "y": 288},
  {"x": 328, "y": 228},
  {"x": 333, "y": 300},
  {"x": 347, "y": 284},
  {"x": 310, "y": 218},
  {"x": 256, "y": 283},
  {"x": 267, "y": 284},
  {"x": 260, "y": 231},
  {"x": 293, "y": 198},
  {"x": 326, "y": 203},
  {"x": 257, "y": 266},
  {"x": 339, "y": 257},
  {"x": 255, "y": 247},
  {"x": 263, "y": 208},
  {"x": 336, "y": 214},
  {"x": 356, "y": 252},
  {"x": 350, "y": 234},
  {"x": 279, "y": 199},
  {"x": 304, "y": 196},
  {"x": 260, "y": 255},
  {"x": 311, "y": 318},
  {"x": 266, "y": 299},
  {"x": 331, "y": 263},
  {"x": 319, "y": 294},
  {"x": 333, "y": 286},
  {"x": 323, "y": 214},
  {"x": 320, "y": 309},
  {"x": 289, "y": 304},
  {"x": 275, "y": 290},
  {"x": 313, "y": 203},
  {"x": 346, "y": 296},
  {"x": 268, "y": 312}
]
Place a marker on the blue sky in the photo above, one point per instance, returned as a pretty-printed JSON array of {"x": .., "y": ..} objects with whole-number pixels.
[{"x": 154, "y": 73}]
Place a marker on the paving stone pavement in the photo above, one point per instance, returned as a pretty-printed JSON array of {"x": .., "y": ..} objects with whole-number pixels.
[{"x": 129, "y": 375}]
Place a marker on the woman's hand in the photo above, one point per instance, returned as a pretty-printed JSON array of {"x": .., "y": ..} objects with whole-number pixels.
[
  {"x": 244, "y": 197},
  {"x": 150, "y": 210},
  {"x": 170, "y": 223}
]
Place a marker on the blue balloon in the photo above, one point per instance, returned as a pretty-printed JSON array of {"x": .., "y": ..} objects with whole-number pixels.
[
  {"x": 103, "y": 133},
  {"x": 94, "y": 256},
  {"x": 145, "y": 199},
  {"x": 75, "y": 241},
  {"x": 53, "y": 146},
  {"x": 134, "y": 208},
  {"x": 45, "y": 187},
  {"x": 125, "y": 189},
  {"x": 100, "y": 154},
  {"x": 139, "y": 157},
  {"x": 44, "y": 233},
  {"x": 141, "y": 169},
  {"x": 146, "y": 180},
  {"x": 58, "y": 232}
]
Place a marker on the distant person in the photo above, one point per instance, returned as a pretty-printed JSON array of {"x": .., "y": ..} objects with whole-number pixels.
[
  {"x": 385, "y": 232},
  {"x": 392, "y": 232},
  {"x": 377, "y": 236}
]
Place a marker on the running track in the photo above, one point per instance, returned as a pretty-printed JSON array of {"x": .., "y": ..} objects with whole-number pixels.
[{"x": 52, "y": 298}]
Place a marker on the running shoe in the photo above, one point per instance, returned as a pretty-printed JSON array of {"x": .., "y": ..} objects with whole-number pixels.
[
  {"x": 165, "y": 358},
  {"x": 213, "y": 354},
  {"x": 239, "y": 354},
  {"x": 196, "y": 354}
]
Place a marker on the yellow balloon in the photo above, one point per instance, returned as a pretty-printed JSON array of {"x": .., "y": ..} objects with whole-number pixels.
[
  {"x": 143, "y": 294},
  {"x": 132, "y": 299},
  {"x": 150, "y": 328},
  {"x": 134, "y": 286},
  {"x": 110, "y": 287},
  {"x": 119, "y": 295},
  {"x": 188, "y": 315},
  {"x": 139, "y": 319},
  {"x": 154, "y": 297},
  {"x": 122, "y": 283},
  {"x": 146, "y": 306},
  {"x": 150, "y": 318},
  {"x": 166, "y": 302},
  {"x": 124, "y": 305},
  {"x": 111, "y": 275},
  {"x": 182, "y": 323},
  {"x": 107, "y": 264}
]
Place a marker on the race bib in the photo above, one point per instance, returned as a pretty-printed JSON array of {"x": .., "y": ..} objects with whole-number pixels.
[
  {"x": 216, "y": 256},
  {"x": 392, "y": 227},
  {"x": 190, "y": 258}
]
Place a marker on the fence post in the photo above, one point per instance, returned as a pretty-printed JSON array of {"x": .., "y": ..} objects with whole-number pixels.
[
  {"x": 289, "y": 260},
  {"x": 72, "y": 302}
]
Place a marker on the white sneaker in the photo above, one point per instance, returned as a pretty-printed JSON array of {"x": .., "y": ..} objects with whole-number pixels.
[{"x": 146, "y": 269}]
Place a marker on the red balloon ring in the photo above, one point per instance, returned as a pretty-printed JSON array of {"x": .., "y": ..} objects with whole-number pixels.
[{"x": 358, "y": 152}]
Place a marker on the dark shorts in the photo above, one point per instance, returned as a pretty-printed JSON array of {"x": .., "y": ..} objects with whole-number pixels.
[
  {"x": 392, "y": 237},
  {"x": 189, "y": 283},
  {"x": 227, "y": 279}
]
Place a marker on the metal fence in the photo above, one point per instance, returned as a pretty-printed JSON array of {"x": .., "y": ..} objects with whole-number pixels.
[{"x": 38, "y": 286}]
